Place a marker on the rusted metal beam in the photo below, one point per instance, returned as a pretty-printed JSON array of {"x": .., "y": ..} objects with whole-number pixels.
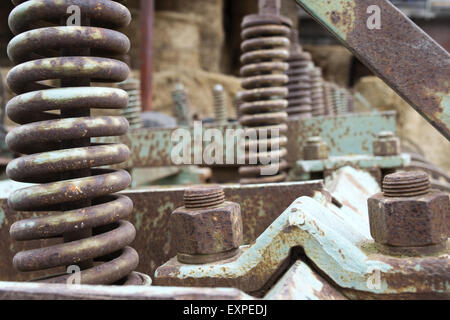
[
  {"x": 395, "y": 49},
  {"x": 147, "y": 17}
]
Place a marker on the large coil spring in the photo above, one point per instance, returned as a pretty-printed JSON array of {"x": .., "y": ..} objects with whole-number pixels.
[
  {"x": 318, "y": 102},
  {"x": 265, "y": 48},
  {"x": 54, "y": 136},
  {"x": 299, "y": 85}
]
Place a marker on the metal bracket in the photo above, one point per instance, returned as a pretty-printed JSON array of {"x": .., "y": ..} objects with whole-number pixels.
[{"x": 397, "y": 51}]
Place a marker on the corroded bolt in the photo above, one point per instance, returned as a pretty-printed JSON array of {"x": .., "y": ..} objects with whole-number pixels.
[
  {"x": 315, "y": 149},
  {"x": 408, "y": 217},
  {"x": 207, "y": 228},
  {"x": 386, "y": 144},
  {"x": 180, "y": 99},
  {"x": 220, "y": 107}
]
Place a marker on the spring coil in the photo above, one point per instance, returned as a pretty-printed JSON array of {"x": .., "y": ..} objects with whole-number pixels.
[
  {"x": 54, "y": 136},
  {"x": 133, "y": 110},
  {"x": 299, "y": 85},
  {"x": 265, "y": 48},
  {"x": 318, "y": 103},
  {"x": 220, "y": 107}
]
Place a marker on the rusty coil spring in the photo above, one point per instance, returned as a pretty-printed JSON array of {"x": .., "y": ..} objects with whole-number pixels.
[
  {"x": 299, "y": 85},
  {"x": 54, "y": 136},
  {"x": 265, "y": 48},
  {"x": 133, "y": 110},
  {"x": 328, "y": 98},
  {"x": 318, "y": 103}
]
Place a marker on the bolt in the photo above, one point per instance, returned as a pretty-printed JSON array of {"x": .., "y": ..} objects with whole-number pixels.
[
  {"x": 409, "y": 218},
  {"x": 207, "y": 228},
  {"x": 386, "y": 144},
  {"x": 315, "y": 149},
  {"x": 220, "y": 107},
  {"x": 180, "y": 99},
  {"x": 318, "y": 103}
]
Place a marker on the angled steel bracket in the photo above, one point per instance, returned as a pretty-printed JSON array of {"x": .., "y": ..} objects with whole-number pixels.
[{"x": 395, "y": 49}]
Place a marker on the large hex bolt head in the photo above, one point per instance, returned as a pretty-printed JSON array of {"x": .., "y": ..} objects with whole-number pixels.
[
  {"x": 207, "y": 228},
  {"x": 409, "y": 215},
  {"x": 315, "y": 149},
  {"x": 386, "y": 144}
]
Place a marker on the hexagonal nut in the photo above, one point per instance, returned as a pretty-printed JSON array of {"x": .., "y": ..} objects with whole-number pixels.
[
  {"x": 207, "y": 231},
  {"x": 316, "y": 151},
  {"x": 409, "y": 222},
  {"x": 389, "y": 146}
]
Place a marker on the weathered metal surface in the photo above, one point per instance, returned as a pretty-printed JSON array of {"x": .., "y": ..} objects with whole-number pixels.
[
  {"x": 386, "y": 145},
  {"x": 315, "y": 149},
  {"x": 207, "y": 228},
  {"x": 151, "y": 217},
  {"x": 304, "y": 168},
  {"x": 399, "y": 52},
  {"x": 408, "y": 218},
  {"x": 58, "y": 153},
  {"x": 347, "y": 134},
  {"x": 34, "y": 291},
  {"x": 332, "y": 239},
  {"x": 147, "y": 9},
  {"x": 300, "y": 282}
]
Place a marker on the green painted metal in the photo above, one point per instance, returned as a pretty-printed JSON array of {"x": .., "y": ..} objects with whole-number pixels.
[
  {"x": 358, "y": 161},
  {"x": 336, "y": 239},
  {"x": 396, "y": 50},
  {"x": 346, "y": 134}
]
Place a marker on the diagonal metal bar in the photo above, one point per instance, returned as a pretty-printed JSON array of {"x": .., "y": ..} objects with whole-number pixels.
[{"x": 399, "y": 52}]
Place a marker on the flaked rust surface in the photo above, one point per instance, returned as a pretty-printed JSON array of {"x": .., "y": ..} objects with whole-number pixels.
[
  {"x": 260, "y": 205},
  {"x": 400, "y": 53}
]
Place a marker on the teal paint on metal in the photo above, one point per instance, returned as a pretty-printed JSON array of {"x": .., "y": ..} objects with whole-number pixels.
[
  {"x": 396, "y": 50},
  {"x": 358, "y": 161},
  {"x": 346, "y": 134},
  {"x": 333, "y": 239}
]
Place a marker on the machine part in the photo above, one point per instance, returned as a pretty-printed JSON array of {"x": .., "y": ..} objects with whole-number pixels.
[
  {"x": 328, "y": 98},
  {"x": 152, "y": 147},
  {"x": 318, "y": 103},
  {"x": 207, "y": 228},
  {"x": 308, "y": 169},
  {"x": 59, "y": 156},
  {"x": 133, "y": 110},
  {"x": 265, "y": 48},
  {"x": 335, "y": 239},
  {"x": 181, "y": 104},
  {"x": 147, "y": 11},
  {"x": 37, "y": 291},
  {"x": 315, "y": 149},
  {"x": 386, "y": 144},
  {"x": 417, "y": 68},
  {"x": 299, "y": 85},
  {"x": 409, "y": 218},
  {"x": 153, "y": 207},
  {"x": 220, "y": 106},
  {"x": 237, "y": 104}
]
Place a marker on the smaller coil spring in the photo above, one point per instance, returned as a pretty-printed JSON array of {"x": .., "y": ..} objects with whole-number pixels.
[
  {"x": 133, "y": 110},
  {"x": 220, "y": 107},
  {"x": 317, "y": 95},
  {"x": 180, "y": 98},
  {"x": 299, "y": 85},
  {"x": 265, "y": 48}
]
